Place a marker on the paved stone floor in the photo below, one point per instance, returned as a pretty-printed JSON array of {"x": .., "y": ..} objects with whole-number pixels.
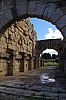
[{"x": 41, "y": 84}]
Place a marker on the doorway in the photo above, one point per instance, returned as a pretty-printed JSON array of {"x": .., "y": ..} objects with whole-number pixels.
[
  {"x": 10, "y": 62},
  {"x": 22, "y": 62}
]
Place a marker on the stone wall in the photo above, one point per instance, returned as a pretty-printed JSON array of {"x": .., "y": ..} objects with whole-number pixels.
[
  {"x": 56, "y": 44},
  {"x": 53, "y": 11},
  {"x": 17, "y": 46}
]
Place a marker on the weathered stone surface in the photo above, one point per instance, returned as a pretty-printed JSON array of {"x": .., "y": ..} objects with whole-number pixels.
[
  {"x": 61, "y": 22},
  {"x": 56, "y": 44},
  {"x": 2, "y": 13},
  {"x": 22, "y": 8},
  {"x": 43, "y": 9},
  {"x": 32, "y": 8},
  {"x": 50, "y": 8},
  {"x": 56, "y": 15},
  {"x": 64, "y": 31},
  {"x": 14, "y": 45},
  {"x": 12, "y": 10},
  {"x": 3, "y": 20},
  {"x": 8, "y": 15},
  {"x": 40, "y": 9},
  {"x": 62, "y": 95}
]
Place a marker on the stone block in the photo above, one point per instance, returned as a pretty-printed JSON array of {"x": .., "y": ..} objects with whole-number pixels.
[
  {"x": 62, "y": 95},
  {"x": 11, "y": 47},
  {"x": 49, "y": 10},
  {"x": 22, "y": 8},
  {"x": 56, "y": 15},
  {"x": 2, "y": 12},
  {"x": 8, "y": 15},
  {"x": 3, "y": 20},
  {"x": 40, "y": 9},
  {"x": 13, "y": 43},
  {"x": 32, "y": 8},
  {"x": 5, "y": 45},
  {"x": 64, "y": 31},
  {"x": 61, "y": 22},
  {"x": 12, "y": 28},
  {"x": 6, "y": 34}
]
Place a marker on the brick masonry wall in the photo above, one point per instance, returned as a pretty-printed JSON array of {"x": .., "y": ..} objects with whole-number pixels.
[{"x": 17, "y": 46}]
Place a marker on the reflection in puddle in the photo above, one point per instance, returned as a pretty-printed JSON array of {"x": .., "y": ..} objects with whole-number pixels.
[{"x": 46, "y": 79}]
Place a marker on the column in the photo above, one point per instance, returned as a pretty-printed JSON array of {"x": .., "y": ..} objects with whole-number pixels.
[
  {"x": 34, "y": 63},
  {"x": 64, "y": 59}
]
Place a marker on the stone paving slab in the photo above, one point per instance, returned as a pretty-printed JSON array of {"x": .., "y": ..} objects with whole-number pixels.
[
  {"x": 62, "y": 98},
  {"x": 62, "y": 95},
  {"x": 58, "y": 90},
  {"x": 31, "y": 86}
]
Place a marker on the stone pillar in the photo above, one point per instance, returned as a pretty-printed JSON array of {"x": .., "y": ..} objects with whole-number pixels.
[
  {"x": 61, "y": 65},
  {"x": 38, "y": 63},
  {"x": 10, "y": 62},
  {"x": 64, "y": 54},
  {"x": 41, "y": 62},
  {"x": 34, "y": 63},
  {"x": 14, "y": 65},
  {"x": 64, "y": 59},
  {"x": 25, "y": 64},
  {"x": 29, "y": 63}
]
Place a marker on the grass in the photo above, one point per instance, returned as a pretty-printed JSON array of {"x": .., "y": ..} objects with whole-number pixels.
[{"x": 51, "y": 62}]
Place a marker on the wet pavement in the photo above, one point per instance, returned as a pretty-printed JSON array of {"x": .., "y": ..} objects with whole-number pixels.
[{"x": 41, "y": 84}]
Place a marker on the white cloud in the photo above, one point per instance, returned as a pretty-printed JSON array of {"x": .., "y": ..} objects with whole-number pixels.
[
  {"x": 53, "y": 34},
  {"x": 51, "y": 51}
]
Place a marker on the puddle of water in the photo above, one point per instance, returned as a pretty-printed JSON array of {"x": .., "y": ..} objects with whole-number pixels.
[
  {"x": 46, "y": 79},
  {"x": 51, "y": 80}
]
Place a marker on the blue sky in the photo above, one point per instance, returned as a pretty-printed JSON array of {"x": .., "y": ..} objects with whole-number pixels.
[{"x": 44, "y": 29}]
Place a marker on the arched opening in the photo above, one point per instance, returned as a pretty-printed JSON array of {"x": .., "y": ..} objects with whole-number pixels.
[
  {"x": 14, "y": 11},
  {"x": 22, "y": 60},
  {"x": 48, "y": 37},
  {"x": 53, "y": 12},
  {"x": 50, "y": 57},
  {"x": 45, "y": 30},
  {"x": 39, "y": 9}
]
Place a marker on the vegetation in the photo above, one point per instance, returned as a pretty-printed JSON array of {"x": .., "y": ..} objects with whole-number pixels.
[
  {"x": 48, "y": 56},
  {"x": 50, "y": 60}
]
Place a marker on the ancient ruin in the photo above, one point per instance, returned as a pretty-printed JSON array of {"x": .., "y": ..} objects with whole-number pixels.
[
  {"x": 17, "y": 49},
  {"x": 56, "y": 44},
  {"x": 17, "y": 46}
]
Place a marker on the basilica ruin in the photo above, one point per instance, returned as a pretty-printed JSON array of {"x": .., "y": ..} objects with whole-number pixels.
[
  {"x": 18, "y": 39},
  {"x": 17, "y": 48}
]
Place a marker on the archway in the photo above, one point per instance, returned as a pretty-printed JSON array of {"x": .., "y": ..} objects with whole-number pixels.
[
  {"x": 55, "y": 44},
  {"x": 53, "y": 12},
  {"x": 50, "y": 57}
]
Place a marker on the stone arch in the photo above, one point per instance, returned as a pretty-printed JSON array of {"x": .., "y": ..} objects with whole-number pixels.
[
  {"x": 56, "y": 44},
  {"x": 41, "y": 45},
  {"x": 50, "y": 48},
  {"x": 15, "y": 10}
]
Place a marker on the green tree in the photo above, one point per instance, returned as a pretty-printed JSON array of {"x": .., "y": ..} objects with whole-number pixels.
[
  {"x": 54, "y": 56},
  {"x": 46, "y": 56}
]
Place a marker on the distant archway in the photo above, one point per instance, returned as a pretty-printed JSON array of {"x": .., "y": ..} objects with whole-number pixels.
[
  {"x": 50, "y": 51},
  {"x": 50, "y": 57},
  {"x": 55, "y": 44}
]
